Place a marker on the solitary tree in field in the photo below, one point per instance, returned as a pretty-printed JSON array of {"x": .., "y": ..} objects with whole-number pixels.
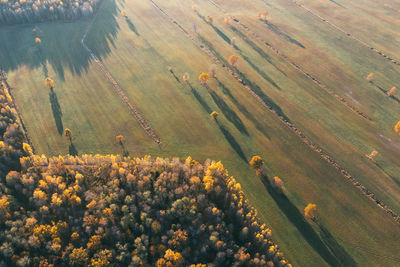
[
  {"x": 256, "y": 162},
  {"x": 277, "y": 183},
  {"x": 203, "y": 78},
  {"x": 209, "y": 19},
  {"x": 310, "y": 211},
  {"x": 227, "y": 19},
  {"x": 213, "y": 70},
  {"x": 186, "y": 77},
  {"x": 370, "y": 77},
  {"x": 392, "y": 91},
  {"x": 124, "y": 14},
  {"x": 372, "y": 155},
  {"x": 397, "y": 128},
  {"x": 119, "y": 139},
  {"x": 37, "y": 40},
  {"x": 233, "y": 41},
  {"x": 214, "y": 115},
  {"x": 232, "y": 60},
  {"x": 49, "y": 82},
  {"x": 68, "y": 134}
]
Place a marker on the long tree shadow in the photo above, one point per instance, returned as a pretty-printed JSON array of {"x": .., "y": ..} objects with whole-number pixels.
[
  {"x": 262, "y": 74},
  {"x": 173, "y": 74},
  {"x": 56, "y": 109},
  {"x": 276, "y": 30},
  {"x": 297, "y": 219},
  {"x": 256, "y": 48},
  {"x": 385, "y": 91},
  {"x": 125, "y": 152},
  {"x": 60, "y": 45},
  {"x": 72, "y": 149},
  {"x": 201, "y": 101},
  {"x": 242, "y": 108},
  {"x": 337, "y": 250},
  {"x": 132, "y": 26},
  {"x": 232, "y": 141},
  {"x": 254, "y": 87},
  {"x": 229, "y": 113}
]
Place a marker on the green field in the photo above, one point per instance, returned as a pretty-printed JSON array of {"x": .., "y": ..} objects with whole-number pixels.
[{"x": 139, "y": 49}]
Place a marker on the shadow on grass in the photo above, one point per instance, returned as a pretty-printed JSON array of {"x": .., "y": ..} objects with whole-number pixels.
[
  {"x": 276, "y": 30},
  {"x": 254, "y": 87},
  {"x": 125, "y": 152},
  {"x": 132, "y": 26},
  {"x": 325, "y": 245},
  {"x": 201, "y": 101},
  {"x": 229, "y": 113},
  {"x": 242, "y": 108},
  {"x": 262, "y": 74},
  {"x": 385, "y": 91},
  {"x": 340, "y": 253},
  {"x": 60, "y": 45},
  {"x": 216, "y": 29},
  {"x": 56, "y": 109},
  {"x": 256, "y": 48},
  {"x": 72, "y": 149},
  {"x": 232, "y": 141},
  {"x": 176, "y": 77}
]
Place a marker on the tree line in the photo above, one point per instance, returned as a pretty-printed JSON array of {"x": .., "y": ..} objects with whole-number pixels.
[{"x": 29, "y": 11}]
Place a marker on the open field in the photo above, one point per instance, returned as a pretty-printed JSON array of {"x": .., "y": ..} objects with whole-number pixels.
[{"x": 137, "y": 52}]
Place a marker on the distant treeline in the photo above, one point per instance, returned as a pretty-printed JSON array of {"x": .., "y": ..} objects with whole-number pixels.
[{"x": 30, "y": 11}]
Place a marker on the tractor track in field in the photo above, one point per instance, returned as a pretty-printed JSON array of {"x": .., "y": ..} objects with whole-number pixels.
[
  {"x": 138, "y": 116},
  {"x": 290, "y": 125},
  {"x": 3, "y": 78},
  {"x": 394, "y": 61}
]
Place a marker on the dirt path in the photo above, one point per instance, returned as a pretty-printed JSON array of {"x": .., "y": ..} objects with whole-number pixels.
[
  {"x": 394, "y": 61},
  {"x": 139, "y": 117},
  {"x": 290, "y": 125}
]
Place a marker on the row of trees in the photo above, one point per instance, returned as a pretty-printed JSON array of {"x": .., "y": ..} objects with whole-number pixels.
[
  {"x": 102, "y": 210},
  {"x": 28, "y": 11},
  {"x": 12, "y": 145}
]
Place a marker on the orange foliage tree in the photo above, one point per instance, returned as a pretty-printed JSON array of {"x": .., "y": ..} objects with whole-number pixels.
[
  {"x": 392, "y": 91},
  {"x": 232, "y": 60},
  {"x": 49, "y": 82},
  {"x": 397, "y": 127},
  {"x": 370, "y": 77},
  {"x": 310, "y": 211},
  {"x": 214, "y": 115},
  {"x": 203, "y": 78}
]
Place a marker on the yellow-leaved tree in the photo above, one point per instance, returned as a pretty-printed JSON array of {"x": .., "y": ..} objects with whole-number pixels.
[
  {"x": 49, "y": 82},
  {"x": 397, "y": 127},
  {"x": 370, "y": 77},
  {"x": 203, "y": 78},
  {"x": 257, "y": 162},
  {"x": 392, "y": 91},
  {"x": 232, "y": 60},
  {"x": 214, "y": 115},
  {"x": 310, "y": 211}
]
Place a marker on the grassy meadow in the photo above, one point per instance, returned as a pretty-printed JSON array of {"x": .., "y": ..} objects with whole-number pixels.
[{"x": 147, "y": 55}]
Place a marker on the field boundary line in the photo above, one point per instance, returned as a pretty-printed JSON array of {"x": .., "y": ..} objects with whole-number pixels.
[
  {"x": 324, "y": 155},
  {"x": 138, "y": 116}
]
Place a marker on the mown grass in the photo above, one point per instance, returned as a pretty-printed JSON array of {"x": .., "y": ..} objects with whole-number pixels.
[{"x": 138, "y": 50}]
